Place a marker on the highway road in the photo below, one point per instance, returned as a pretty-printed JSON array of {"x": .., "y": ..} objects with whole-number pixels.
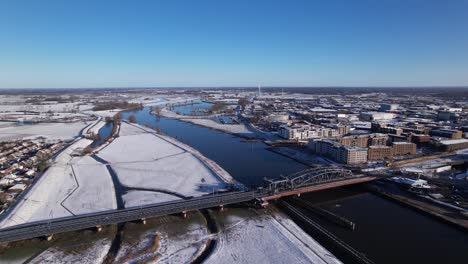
[
  {"x": 65, "y": 224},
  {"x": 92, "y": 220}
]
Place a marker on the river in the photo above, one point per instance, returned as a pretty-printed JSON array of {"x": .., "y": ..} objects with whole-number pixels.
[{"x": 386, "y": 232}]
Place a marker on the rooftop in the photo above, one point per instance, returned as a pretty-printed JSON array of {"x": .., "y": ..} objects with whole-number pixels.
[{"x": 455, "y": 141}]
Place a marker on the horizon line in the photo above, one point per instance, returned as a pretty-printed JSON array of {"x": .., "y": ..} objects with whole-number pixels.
[{"x": 237, "y": 87}]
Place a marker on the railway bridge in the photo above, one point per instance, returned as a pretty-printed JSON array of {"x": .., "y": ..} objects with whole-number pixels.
[{"x": 302, "y": 182}]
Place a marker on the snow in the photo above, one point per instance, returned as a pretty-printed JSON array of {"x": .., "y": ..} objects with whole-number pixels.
[
  {"x": 71, "y": 185},
  {"x": 18, "y": 187},
  {"x": 95, "y": 127},
  {"x": 229, "y": 128},
  {"x": 62, "y": 131},
  {"x": 105, "y": 113},
  {"x": 138, "y": 148},
  {"x": 145, "y": 160},
  {"x": 51, "y": 106},
  {"x": 184, "y": 247},
  {"x": 95, "y": 252},
  {"x": 261, "y": 237},
  {"x": 182, "y": 173},
  {"x": 180, "y": 241},
  {"x": 130, "y": 130},
  {"x": 95, "y": 190},
  {"x": 141, "y": 160},
  {"x": 172, "y": 100},
  {"x": 136, "y": 198}
]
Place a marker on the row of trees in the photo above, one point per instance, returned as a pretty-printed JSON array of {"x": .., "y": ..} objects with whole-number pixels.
[
  {"x": 117, "y": 105},
  {"x": 217, "y": 107}
]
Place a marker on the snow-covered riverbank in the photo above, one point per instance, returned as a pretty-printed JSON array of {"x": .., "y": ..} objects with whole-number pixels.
[
  {"x": 144, "y": 161},
  {"x": 264, "y": 236}
]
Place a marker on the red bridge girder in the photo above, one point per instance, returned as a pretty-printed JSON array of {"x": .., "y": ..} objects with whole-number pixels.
[{"x": 319, "y": 187}]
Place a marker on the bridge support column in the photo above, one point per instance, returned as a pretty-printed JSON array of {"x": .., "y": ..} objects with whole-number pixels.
[
  {"x": 49, "y": 237},
  {"x": 184, "y": 214},
  {"x": 299, "y": 195},
  {"x": 98, "y": 228},
  {"x": 221, "y": 208},
  {"x": 143, "y": 221}
]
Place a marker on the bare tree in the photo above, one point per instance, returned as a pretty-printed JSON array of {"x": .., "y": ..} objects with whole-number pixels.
[
  {"x": 243, "y": 102},
  {"x": 108, "y": 119},
  {"x": 118, "y": 116},
  {"x": 157, "y": 110},
  {"x": 87, "y": 150}
]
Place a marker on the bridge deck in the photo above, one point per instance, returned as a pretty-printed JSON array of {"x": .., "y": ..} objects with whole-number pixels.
[
  {"x": 319, "y": 187},
  {"x": 79, "y": 222}
]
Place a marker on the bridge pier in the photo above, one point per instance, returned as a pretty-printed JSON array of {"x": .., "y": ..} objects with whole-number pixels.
[
  {"x": 143, "y": 221},
  {"x": 49, "y": 237},
  {"x": 98, "y": 228},
  {"x": 261, "y": 203},
  {"x": 184, "y": 214},
  {"x": 221, "y": 207}
]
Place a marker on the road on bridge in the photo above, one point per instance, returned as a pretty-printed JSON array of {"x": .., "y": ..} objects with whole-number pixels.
[{"x": 301, "y": 183}]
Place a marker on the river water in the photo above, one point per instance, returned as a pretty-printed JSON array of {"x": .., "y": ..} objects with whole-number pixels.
[
  {"x": 386, "y": 232},
  {"x": 193, "y": 108}
]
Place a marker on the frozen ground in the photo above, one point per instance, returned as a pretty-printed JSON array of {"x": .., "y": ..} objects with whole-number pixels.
[
  {"x": 143, "y": 147},
  {"x": 62, "y": 131},
  {"x": 104, "y": 113},
  {"x": 95, "y": 127},
  {"x": 259, "y": 237},
  {"x": 50, "y": 106},
  {"x": 172, "y": 100},
  {"x": 136, "y": 198},
  {"x": 233, "y": 128},
  {"x": 164, "y": 240},
  {"x": 94, "y": 190},
  {"x": 94, "y": 252},
  {"x": 149, "y": 162},
  {"x": 72, "y": 185}
]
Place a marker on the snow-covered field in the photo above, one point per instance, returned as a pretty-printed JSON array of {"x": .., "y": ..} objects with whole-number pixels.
[
  {"x": 72, "y": 185},
  {"x": 143, "y": 147},
  {"x": 62, "y": 131},
  {"x": 229, "y": 128},
  {"x": 142, "y": 160},
  {"x": 259, "y": 237},
  {"x": 146, "y": 161},
  {"x": 206, "y": 121},
  {"x": 95, "y": 127},
  {"x": 136, "y": 198},
  {"x": 167, "y": 240},
  {"x": 104, "y": 113},
  {"x": 94, "y": 252},
  {"x": 51, "y": 106}
]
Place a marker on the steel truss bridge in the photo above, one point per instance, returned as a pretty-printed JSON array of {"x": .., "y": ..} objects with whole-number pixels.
[
  {"x": 295, "y": 184},
  {"x": 308, "y": 177}
]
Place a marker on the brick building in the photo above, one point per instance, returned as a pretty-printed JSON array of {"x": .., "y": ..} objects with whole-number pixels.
[
  {"x": 384, "y": 128},
  {"x": 451, "y": 145},
  {"x": 403, "y": 148},
  {"x": 420, "y": 138},
  {"x": 379, "y": 153},
  {"x": 351, "y": 155},
  {"x": 363, "y": 141},
  {"x": 447, "y": 133}
]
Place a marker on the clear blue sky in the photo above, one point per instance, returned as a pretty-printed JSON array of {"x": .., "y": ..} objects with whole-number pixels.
[{"x": 111, "y": 43}]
